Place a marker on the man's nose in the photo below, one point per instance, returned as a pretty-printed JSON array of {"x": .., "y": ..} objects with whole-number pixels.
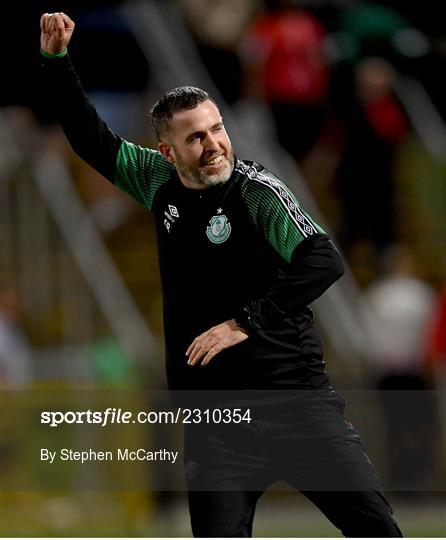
[{"x": 211, "y": 142}]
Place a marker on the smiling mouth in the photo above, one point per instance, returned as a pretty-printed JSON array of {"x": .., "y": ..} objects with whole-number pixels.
[{"x": 214, "y": 162}]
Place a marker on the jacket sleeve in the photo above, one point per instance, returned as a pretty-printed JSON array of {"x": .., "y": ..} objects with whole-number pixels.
[
  {"x": 88, "y": 134},
  {"x": 311, "y": 261},
  {"x": 137, "y": 170}
]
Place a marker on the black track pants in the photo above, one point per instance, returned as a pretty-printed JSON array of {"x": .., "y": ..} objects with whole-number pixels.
[
  {"x": 307, "y": 443},
  {"x": 231, "y": 514}
]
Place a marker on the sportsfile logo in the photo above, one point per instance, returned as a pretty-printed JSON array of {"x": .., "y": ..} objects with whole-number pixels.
[{"x": 117, "y": 415}]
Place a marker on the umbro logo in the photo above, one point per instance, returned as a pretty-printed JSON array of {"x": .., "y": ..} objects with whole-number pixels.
[
  {"x": 170, "y": 216},
  {"x": 173, "y": 211}
]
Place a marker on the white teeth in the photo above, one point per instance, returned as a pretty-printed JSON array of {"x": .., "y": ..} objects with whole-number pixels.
[{"x": 214, "y": 161}]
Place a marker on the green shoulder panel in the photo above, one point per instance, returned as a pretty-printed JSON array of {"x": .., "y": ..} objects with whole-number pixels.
[
  {"x": 140, "y": 172},
  {"x": 276, "y": 212}
]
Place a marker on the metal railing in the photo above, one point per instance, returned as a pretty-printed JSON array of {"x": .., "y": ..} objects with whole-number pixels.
[
  {"x": 425, "y": 119},
  {"x": 45, "y": 193}
]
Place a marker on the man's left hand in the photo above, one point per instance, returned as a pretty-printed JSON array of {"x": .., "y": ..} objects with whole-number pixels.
[{"x": 215, "y": 340}]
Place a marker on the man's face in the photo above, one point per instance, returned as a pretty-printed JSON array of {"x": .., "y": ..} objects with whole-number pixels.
[{"x": 199, "y": 147}]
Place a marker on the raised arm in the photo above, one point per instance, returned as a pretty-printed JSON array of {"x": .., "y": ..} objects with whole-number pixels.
[
  {"x": 87, "y": 133},
  {"x": 138, "y": 171}
]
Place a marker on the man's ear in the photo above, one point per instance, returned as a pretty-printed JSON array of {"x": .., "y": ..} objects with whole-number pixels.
[{"x": 167, "y": 152}]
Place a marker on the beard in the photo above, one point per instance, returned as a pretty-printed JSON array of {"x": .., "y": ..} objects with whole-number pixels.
[{"x": 198, "y": 175}]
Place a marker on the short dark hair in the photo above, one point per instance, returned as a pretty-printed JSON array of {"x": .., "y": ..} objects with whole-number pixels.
[{"x": 176, "y": 100}]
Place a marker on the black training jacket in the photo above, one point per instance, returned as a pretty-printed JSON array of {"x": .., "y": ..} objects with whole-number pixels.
[{"x": 245, "y": 250}]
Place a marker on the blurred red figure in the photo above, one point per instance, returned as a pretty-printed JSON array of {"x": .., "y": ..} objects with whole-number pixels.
[
  {"x": 436, "y": 342},
  {"x": 437, "y": 339},
  {"x": 284, "y": 53}
]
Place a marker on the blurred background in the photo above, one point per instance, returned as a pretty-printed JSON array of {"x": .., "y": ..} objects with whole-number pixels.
[{"x": 345, "y": 100}]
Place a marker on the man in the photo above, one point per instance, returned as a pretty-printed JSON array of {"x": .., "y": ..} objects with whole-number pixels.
[{"x": 240, "y": 262}]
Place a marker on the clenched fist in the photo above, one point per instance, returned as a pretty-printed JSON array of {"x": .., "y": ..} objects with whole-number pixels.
[{"x": 57, "y": 29}]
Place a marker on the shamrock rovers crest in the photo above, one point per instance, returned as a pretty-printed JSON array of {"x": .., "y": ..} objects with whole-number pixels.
[{"x": 219, "y": 229}]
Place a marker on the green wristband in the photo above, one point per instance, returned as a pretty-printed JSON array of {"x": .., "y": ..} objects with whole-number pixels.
[{"x": 57, "y": 55}]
